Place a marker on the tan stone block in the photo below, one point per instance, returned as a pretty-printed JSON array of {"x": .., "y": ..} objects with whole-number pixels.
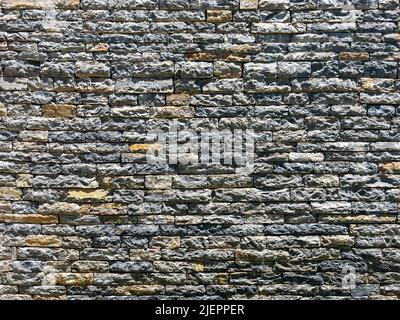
[
  {"x": 5, "y": 266},
  {"x": 354, "y": 56},
  {"x": 227, "y": 70},
  {"x": 390, "y": 167},
  {"x": 87, "y": 194},
  {"x": 145, "y": 255},
  {"x": 154, "y": 219},
  {"x": 63, "y": 208},
  {"x": 205, "y": 56},
  {"x": 199, "y": 267},
  {"x": 74, "y": 279},
  {"x": 3, "y": 110},
  {"x": 40, "y": 4},
  {"x": 377, "y": 85},
  {"x": 368, "y": 84},
  {"x": 143, "y": 147},
  {"x": 181, "y": 99},
  {"x": 59, "y": 110},
  {"x": 9, "y": 193},
  {"x": 248, "y": 4},
  {"x": 3, "y": 46},
  {"x": 337, "y": 241},
  {"x": 23, "y": 4},
  {"x": 165, "y": 242},
  {"x": 395, "y": 57},
  {"x": 100, "y": 47},
  {"x": 219, "y": 16},
  {"x": 30, "y": 218},
  {"x": 112, "y": 209},
  {"x": 178, "y": 266},
  {"x": 5, "y": 207},
  {"x": 222, "y": 279},
  {"x": 24, "y": 181},
  {"x": 70, "y": 4},
  {"x": 43, "y": 241},
  {"x": 245, "y": 48}
]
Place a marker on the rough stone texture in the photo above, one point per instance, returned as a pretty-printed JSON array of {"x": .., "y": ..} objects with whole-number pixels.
[{"x": 83, "y": 216}]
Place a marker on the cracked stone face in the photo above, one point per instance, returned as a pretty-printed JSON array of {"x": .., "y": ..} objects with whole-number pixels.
[{"x": 225, "y": 149}]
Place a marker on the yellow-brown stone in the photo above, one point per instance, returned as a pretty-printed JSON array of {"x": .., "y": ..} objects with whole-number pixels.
[
  {"x": 205, "y": 56},
  {"x": 337, "y": 241},
  {"x": 368, "y": 84},
  {"x": 100, "y": 47},
  {"x": 9, "y": 193},
  {"x": 24, "y": 181},
  {"x": 39, "y": 4},
  {"x": 165, "y": 242},
  {"x": 70, "y": 4},
  {"x": 59, "y": 110},
  {"x": 5, "y": 266},
  {"x": 74, "y": 279},
  {"x": 112, "y": 209},
  {"x": 181, "y": 99},
  {"x": 30, "y": 218},
  {"x": 199, "y": 267},
  {"x": 142, "y": 147},
  {"x": 43, "y": 241},
  {"x": 3, "y": 46},
  {"x": 3, "y": 110},
  {"x": 395, "y": 57},
  {"x": 354, "y": 56},
  {"x": 219, "y": 16},
  {"x": 86, "y": 194},
  {"x": 145, "y": 254},
  {"x": 245, "y": 48},
  {"x": 23, "y": 4},
  {"x": 389, "y": 167},
  {"x": 222, "y": 279}
]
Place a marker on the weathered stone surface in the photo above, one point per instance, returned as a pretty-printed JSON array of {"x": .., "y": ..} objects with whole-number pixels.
[
  {"x": 144, "y": 86},
  {"x": 88, "y": 207},
  {"x": 59, "y": 110},
  {"x": 219, "y": 16},
  {"x": 92, "y": 69}
]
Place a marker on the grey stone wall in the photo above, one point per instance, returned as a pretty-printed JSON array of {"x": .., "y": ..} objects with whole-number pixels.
[{"x": 85, "y": 215}]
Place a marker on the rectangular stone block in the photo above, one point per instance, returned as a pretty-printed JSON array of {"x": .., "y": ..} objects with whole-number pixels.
[{"x": 144, "y": 86}]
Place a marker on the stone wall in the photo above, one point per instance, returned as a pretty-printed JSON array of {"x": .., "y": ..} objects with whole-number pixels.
[{"x": 84, "y": 214}]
